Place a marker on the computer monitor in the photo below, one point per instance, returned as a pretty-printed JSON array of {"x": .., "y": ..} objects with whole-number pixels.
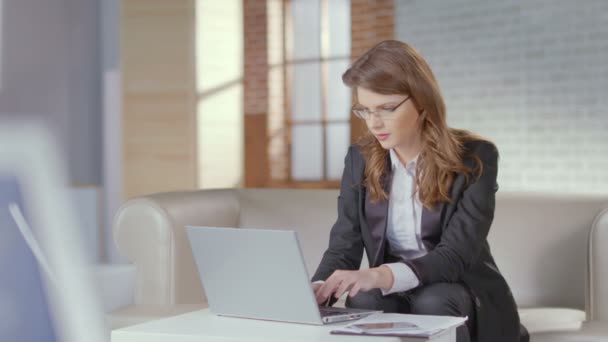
[
  {"x": 46, "y": 290},
  {"x": 24, "y": 309}
]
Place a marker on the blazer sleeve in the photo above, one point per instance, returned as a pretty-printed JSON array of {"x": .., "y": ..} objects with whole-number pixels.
[
  {"x": 345, "y": 250},
  {"x": 466, "y": 232}
]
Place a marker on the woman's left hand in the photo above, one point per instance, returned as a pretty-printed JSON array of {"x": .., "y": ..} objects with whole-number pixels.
[{"x": 354, "y": 281}]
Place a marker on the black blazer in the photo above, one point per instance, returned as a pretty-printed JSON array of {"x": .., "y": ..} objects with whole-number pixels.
[{"x": 454, "y": 234}]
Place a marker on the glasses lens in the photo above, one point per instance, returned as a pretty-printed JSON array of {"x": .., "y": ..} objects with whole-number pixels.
[
  {"x": 360, "y": 113},
  {"x": 385, "y": 113}
]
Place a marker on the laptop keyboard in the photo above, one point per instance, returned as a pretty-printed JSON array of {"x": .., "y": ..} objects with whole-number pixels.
[{"x": 329, "y": 312}]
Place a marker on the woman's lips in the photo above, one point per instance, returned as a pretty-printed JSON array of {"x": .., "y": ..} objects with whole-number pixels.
[{"x": 382, "y": 137}]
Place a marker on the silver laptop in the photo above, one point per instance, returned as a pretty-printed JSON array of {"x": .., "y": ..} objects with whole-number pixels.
[{"x": 260, "y": 274}]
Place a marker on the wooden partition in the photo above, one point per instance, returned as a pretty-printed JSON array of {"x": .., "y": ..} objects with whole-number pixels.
[{"x": 159, "y": 96}]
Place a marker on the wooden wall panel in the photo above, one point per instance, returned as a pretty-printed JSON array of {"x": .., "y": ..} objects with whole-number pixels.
[{"x": 158, "y": 70}]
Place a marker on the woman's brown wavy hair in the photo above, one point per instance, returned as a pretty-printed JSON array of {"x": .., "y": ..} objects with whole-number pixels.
[{"x": 394, "y": 67}]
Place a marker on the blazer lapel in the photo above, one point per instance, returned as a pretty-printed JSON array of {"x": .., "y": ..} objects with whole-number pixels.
[
  {"x": 377, "y": 218},
  {"x": 430, "y": 227},
  {"x": 376, "y": 215}
]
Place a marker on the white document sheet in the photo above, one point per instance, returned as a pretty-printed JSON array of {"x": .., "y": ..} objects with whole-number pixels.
[{"x": 426, "y": 325}]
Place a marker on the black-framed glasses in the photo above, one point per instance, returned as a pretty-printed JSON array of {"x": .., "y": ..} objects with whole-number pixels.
[{"x": 383, "y": 113}]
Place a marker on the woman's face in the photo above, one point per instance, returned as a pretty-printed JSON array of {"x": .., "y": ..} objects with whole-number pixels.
[{"x": 394, "y": 127}]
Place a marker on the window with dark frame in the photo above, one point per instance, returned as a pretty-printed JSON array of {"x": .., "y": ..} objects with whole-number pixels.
[{"x": 309, "y": 107}]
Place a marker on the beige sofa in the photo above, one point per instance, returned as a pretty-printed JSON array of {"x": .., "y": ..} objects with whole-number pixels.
[{"x": 553, "y": 250}]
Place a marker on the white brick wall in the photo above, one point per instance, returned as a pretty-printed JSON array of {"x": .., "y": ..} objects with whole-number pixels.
[{"x": 530, "y": 75}]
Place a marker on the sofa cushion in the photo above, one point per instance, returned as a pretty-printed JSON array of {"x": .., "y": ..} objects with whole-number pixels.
[
  {"x": 595, "y": 331},
  {"x": 538, "y": 320},
  {"x": 551, "y": 236}
]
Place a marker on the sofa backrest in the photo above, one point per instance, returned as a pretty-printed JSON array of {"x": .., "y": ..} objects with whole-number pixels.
[
  {"x": 540, "y": 242},
  {"x": 311, "y": 213}
]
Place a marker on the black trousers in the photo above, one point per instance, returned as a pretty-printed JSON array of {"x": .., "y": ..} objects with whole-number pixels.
[{"x": 444, "y": 299}]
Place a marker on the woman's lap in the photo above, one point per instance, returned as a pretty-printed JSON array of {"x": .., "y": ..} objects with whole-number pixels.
[{"x": 444, "y": 299}]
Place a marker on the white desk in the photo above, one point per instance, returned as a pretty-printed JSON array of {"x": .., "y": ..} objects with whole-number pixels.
[{"x": 203, "y": 326}]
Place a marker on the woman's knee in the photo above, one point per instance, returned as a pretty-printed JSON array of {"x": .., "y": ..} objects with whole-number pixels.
[
  {"x": 441, "y": 299},
  {"x": 429, "y": 304},
  {"x": 374, "y": 300},
  {"x": 369, "y": 300}
]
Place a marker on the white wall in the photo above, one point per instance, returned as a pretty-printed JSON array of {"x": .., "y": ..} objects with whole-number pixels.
[
  {"x": 112, "y": 124},
  {"x": 530, "y": 75},
  {"x": 1, "y": 36},
  {"x": 50, "y": 69}
]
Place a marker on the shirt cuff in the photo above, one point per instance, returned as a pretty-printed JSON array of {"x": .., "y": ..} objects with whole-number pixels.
[{"x": 403, "y": 278}]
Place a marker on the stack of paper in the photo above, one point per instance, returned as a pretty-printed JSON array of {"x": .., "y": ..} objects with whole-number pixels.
[{"x": 403, "y": 325}]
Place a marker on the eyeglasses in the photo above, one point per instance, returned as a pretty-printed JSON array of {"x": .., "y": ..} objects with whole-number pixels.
[{"x": 383, "y": 113}]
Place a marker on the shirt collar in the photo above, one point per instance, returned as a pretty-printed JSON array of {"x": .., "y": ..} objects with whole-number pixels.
[{"x": 396, "y": 163}]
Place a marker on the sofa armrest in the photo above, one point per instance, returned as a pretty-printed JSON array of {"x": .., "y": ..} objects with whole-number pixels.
[
  {"x": 150, "y": 232},
  {"x": 597, "y": 298}
]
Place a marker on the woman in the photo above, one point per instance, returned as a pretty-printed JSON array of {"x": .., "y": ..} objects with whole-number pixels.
[{"x": 418, "y": 196}]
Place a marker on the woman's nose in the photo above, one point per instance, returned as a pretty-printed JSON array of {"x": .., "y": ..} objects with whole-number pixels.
[{"x": 374, "y": 121}]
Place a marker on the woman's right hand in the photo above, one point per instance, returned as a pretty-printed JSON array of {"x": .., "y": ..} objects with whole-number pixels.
[{"x": 315, "y": 288}]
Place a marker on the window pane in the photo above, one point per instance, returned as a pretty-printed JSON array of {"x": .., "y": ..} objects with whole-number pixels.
[
  {"x": 219, "y": 43},
  {"x": 338, "y": 140},
  {"x": 306, "y": 28},
  {"x": 275, "y": 31},
  {"x": 339, "y": 27},
  {"x": 219, "y": 64},
  {"x": 306, "y": 92},
  {"x": 306, "y": 153},
  {"x": 220, "y": 139},
  {"x": 338, "y": 95},
  {"x": 276, "y": 98}
]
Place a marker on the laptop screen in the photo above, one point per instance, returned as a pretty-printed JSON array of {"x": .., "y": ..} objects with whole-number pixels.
[{"x": 24, "y": 310}]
